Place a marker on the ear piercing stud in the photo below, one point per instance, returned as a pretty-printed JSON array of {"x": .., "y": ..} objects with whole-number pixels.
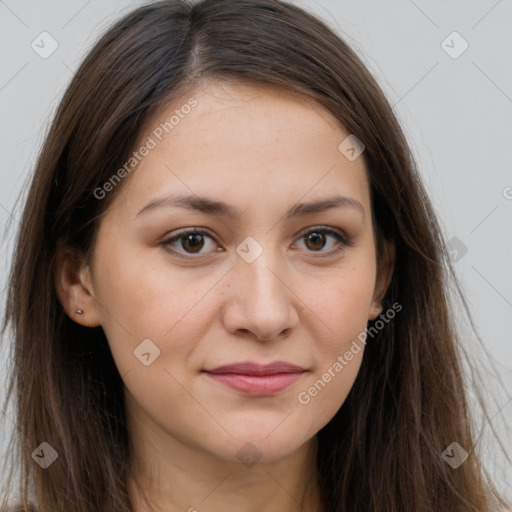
[{"x": 79, "y": 312}]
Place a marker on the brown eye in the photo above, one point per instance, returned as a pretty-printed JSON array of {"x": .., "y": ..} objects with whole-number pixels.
[
  {"x": 315, "y": 240},
  {"x": 192, "y": 243},
  {"x": 189, "y": 243},
  {"x": 326, "y": 242}
]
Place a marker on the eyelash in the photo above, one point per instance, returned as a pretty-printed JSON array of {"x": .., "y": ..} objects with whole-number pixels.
[{"x": 342, "y": 241}]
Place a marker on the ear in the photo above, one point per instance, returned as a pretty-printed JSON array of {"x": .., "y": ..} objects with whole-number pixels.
[
  {"x": 384, "y": 274},
  {"x": 74, "y": 288}
]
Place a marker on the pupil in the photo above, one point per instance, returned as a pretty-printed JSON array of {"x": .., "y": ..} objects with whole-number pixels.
[
  {"x": 195, "y": 241},
  {"x": 318, "y": 240}
]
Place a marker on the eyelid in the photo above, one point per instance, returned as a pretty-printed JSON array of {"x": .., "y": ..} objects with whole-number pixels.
[
  {"x": 343, "y": 240},
  {"x": 343, "y": 237},
  {"x": 180, "y": 233}
]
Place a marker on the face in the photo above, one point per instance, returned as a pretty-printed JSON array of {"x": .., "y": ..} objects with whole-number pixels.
[{"x": 244, "y": 238}]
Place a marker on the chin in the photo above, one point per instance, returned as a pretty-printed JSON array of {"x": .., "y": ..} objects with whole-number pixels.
[{"x": 260, "y": 446}]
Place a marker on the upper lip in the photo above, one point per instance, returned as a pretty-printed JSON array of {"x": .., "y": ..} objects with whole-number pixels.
[{"x": 250, "y": 368}]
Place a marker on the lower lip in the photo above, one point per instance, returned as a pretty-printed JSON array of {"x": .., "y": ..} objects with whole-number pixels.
[{"x": 257, "y": 385}]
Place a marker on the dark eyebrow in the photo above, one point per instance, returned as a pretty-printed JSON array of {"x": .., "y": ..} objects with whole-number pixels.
[{"x": 219, "y": 208}]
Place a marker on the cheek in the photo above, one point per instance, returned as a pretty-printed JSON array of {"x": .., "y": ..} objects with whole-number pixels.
[
  {"x": 142, "y": 300},
  {"x": 320, "y": 398},
  {"x": 340, "y": 316},
  {"x": 340, "y": 352},
  {"x": 341, "y": 305}
]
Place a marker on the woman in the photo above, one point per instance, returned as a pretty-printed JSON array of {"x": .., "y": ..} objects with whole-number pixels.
[{"x": 229, "y": 286}]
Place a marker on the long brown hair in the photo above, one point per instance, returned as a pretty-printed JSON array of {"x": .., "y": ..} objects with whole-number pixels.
[{"x": 382, "y": 450}]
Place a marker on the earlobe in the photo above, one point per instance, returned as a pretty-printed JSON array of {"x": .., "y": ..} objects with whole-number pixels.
[
  {"x": 74, "y": 288},
  {"x": 375, "y": 311}
]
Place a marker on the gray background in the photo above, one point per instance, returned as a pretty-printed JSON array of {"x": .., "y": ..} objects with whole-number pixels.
[{"x": 456, "y": 112}]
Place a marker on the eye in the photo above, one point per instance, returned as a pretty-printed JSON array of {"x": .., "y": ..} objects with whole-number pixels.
[
  {"x": 317, "y": 239},
  {"x": 190, "y": 241}
]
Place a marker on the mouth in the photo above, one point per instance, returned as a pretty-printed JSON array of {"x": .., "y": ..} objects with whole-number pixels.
[{"x": 256, "y": 379}]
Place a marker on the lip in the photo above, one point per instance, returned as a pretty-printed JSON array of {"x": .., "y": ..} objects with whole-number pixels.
[
  {"x": 251, "y": 368},
  {"x": 257, "y": 379}
]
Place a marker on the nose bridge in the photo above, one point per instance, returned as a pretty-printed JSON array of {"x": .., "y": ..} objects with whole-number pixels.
[
  {"x": 260, "y": 301},
  {"x": 261, "y": 277}
]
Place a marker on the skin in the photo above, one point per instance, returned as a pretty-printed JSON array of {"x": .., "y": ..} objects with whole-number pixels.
[{"x": 261, "y": 150}]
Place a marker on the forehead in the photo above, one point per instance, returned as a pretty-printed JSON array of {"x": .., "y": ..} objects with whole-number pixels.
[{"x": 239, "y": 142}]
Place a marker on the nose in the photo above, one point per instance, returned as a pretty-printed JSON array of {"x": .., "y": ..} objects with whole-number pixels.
[{"x": 260, "y": 300}]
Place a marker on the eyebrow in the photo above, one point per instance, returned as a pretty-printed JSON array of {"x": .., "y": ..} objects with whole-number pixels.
[{"x": 219, "y": 208}]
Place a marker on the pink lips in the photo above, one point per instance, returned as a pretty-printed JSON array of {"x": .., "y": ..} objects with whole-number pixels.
[{"x": 256, "y": 379}]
